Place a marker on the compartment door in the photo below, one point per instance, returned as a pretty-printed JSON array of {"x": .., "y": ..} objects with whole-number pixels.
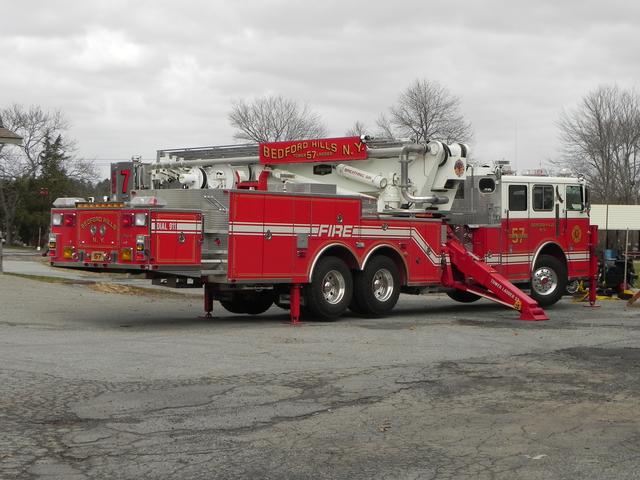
[
  {"x": 176, "y": 238},
  {"x": 246, "y": 236},
  {"x": 279, "y": 238}
]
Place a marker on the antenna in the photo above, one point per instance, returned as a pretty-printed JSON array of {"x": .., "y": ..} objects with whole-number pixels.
[{"x": 515, "y": 145}]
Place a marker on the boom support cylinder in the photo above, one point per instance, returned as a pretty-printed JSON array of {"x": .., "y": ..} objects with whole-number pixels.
[{"x": 404, "y": 177}]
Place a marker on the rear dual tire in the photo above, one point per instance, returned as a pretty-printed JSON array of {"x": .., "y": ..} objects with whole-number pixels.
[
  {"x": 330, "y": 292},
  {"x": 333, "y": 289},
  {"x": 376, "y": 288}
]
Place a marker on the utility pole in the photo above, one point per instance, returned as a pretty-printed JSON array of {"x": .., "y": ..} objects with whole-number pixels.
[{"x": 44, "y": 193}]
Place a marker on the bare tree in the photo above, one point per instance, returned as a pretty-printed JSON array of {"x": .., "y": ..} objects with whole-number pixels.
[
  {"x": 33, "y": 124},
  {"x": 385, "y": 128},
  {"x": 427, "y": 111},
  {"x": 274, "y": 118},
  {"x": 357, "y": 130},
  {"x": 601, "y": 138},
  {"x": 20, "y": 162}
]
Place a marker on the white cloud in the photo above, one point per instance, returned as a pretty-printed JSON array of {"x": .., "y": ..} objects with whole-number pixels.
[{"x": 100, "y": 50}]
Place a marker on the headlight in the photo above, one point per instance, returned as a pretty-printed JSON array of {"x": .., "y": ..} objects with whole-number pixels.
[
  {"x": 140, "y": 241},
  {"x": 56, "y": 219},
  {"x": 140, "y": 219}
]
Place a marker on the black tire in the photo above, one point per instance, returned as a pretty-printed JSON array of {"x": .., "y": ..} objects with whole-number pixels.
[
  {"x": 330, "y": 291},
  {"x": 234, "y": 305},
  {"x": 463, "y": 296},
  {"x": 548, "y": 280},
  {"x": 377, "y": 288},
  {"x": 252, "y": 303},
  {"x": 354, "y": 306},
  {"x": 258, "y": 302}
]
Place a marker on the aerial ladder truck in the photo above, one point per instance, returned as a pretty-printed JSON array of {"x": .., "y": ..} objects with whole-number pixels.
[{"x": 322, "y": 226}]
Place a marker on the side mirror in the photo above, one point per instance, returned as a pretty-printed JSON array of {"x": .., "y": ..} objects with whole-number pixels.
[{"x": 586, "y": 204}]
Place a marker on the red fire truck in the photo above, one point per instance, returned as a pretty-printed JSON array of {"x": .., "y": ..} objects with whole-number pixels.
[{"x": 326, "y": 225}]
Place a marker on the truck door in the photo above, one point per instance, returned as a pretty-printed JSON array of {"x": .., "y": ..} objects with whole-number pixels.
[
  {"x": 545, "y": 225},
  {"x": 575, "y": 228},
  {"x": 515, "y": 228}
]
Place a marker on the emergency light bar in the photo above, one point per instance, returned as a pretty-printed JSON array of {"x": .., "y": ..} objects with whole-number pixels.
[
  {"x": 147, "y": 202},
  {"x": 536, "y": 172},
  {"x": 63, "y": 202}
]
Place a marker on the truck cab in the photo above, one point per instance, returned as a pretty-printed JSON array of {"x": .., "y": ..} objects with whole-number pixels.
[{"x": 534, "y": 229}]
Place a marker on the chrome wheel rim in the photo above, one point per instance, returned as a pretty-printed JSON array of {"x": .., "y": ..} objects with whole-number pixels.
[
  {"x": 333, "y": 287},
  {"x": 544, "y": 281},
  {"x": 382, "y": 285}
]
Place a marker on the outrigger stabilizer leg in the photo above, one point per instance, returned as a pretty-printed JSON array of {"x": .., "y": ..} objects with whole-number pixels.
[
  {"x": 208, "y": 300},
  {"x": 593, "y": 266},
  {"x": 487, "y": 282},
  {"x": 294, "y": 299}
]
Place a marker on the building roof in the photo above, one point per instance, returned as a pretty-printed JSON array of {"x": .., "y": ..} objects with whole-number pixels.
[{"x": 7, "y": 136}]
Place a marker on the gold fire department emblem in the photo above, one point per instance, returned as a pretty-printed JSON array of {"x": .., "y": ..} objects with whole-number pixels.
[
  {"x": 459, "y": 168},
  {"x": 576, "y": 234},
  {"x": 517, "y": 304}
]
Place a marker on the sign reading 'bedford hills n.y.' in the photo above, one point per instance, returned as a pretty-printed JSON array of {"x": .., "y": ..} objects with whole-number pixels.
[{"x": 307, "y": 151}]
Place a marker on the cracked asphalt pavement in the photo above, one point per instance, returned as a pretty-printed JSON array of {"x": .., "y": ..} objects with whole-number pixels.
[{"x": 96, "y": 385}]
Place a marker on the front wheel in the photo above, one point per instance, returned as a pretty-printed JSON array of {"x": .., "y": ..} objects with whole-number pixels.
[
  {"x": 377, "y": 288},
  {"x": 548, "y": 280},
  {"x": 330, "y": 291},
  {"x": 463, "y": 296}
]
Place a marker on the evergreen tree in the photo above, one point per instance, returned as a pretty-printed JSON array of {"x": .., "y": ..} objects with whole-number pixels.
[
  {"x": 38, "y": 191},
  {"x": 53, "y": 176}
]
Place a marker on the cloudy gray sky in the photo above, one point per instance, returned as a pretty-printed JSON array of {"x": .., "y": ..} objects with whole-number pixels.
[{"x": 133, "y": 77}]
